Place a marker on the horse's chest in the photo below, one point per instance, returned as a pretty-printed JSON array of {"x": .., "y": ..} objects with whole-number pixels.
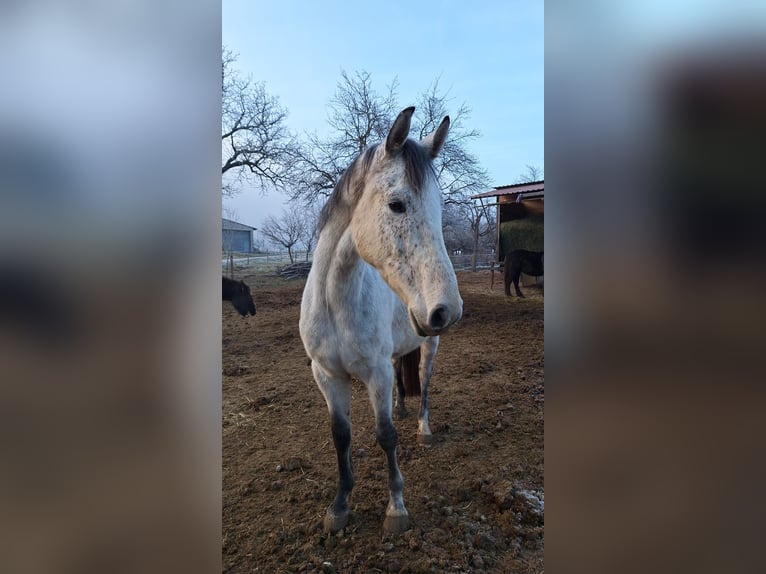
[{"x": 355, "y": 323}]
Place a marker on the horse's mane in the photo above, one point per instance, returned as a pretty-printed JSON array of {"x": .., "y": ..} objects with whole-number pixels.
[{"x": 417, "y": 164}]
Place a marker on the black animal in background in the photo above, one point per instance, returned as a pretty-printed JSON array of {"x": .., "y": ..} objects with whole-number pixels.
[
  {"x": 521, "y": 261},
  {"x": 239, "y": 294}
]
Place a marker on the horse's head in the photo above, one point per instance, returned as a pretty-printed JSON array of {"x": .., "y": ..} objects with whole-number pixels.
[
  {"x": 242, "y": 299},
  {"x": 397, "y": 226}
]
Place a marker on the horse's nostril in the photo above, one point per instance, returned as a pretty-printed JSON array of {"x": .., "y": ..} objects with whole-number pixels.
[{"x": 438, "y": 318}]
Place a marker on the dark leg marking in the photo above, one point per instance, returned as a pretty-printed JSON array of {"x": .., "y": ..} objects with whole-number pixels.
[{"x": 337, "y": 514}]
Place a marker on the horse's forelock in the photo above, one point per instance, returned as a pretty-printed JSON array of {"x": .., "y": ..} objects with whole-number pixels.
[{"x": 417, "y": 166}]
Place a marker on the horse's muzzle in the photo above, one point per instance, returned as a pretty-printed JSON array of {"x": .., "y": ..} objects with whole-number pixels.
[{"x": 439, "y": 319}]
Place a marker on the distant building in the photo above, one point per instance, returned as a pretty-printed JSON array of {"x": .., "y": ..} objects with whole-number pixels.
[{"x": 236, "y": 237}]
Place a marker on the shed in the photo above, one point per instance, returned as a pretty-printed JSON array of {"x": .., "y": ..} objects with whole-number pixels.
[
  {"x": 520, "y": 216},
  {"x": 236, "y": 237}
]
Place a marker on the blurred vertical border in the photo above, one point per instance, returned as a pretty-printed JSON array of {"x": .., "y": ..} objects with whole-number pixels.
[
  {"x": 655, "y": 312},
  {"x": 109, "y": 314}
]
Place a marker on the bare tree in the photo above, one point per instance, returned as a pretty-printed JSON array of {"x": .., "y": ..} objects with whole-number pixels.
[
  {"x": 286, "y": 230},
  {"x": 310, "y": 233},
  {"x": 469, "y": 228},
  {"x": 532, "y": 173},
  {"x": 256, "y": 144},
  {"x": 483, "y": 229},
  {"x": 488, "y": 236},
  {"x": 359, "y": 116},
  {"x": 456, "y": 228},
  {"x": 459, "y": 171}
]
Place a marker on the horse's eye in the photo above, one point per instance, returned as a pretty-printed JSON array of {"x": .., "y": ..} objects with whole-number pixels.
[{"x": 397, "y": 206}]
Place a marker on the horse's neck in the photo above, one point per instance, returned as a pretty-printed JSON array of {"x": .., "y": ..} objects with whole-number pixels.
[
  {"x": 338, "y": 264},
  {"x": 226, "y": 289},
  {"x": 344, "y": 283}
]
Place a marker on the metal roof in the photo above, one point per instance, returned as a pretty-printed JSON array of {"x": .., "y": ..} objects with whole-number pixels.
[
  {"x": 525, "y": 188},
  {"x": 230, "y": 225}
]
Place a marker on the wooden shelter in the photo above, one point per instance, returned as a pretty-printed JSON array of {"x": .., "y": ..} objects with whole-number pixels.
[
  {"x": 513, "y": 202},
  {"x": 520, "y": 214}
]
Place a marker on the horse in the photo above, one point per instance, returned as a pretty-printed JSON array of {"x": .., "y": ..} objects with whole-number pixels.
[
  {"x": 381, "y": 286},
  {"x": 521, "y": 261},
  {"x": 239, "y": 294}
]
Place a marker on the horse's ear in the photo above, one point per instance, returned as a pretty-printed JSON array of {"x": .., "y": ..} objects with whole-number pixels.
[
  {"x": 434, "y": 141},
  {"x": 399, "y": 131}
]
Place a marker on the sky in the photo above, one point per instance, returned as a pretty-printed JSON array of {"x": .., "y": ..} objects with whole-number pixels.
[{"x": 488, "y": 55}]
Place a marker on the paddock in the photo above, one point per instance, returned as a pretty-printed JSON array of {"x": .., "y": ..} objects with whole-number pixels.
[{"x": 475, "y": 497}]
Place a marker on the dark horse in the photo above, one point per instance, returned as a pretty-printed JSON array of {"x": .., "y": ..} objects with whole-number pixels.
[
  {"x": 239, "y": 294},
  {"x": 521, "y": 261}
]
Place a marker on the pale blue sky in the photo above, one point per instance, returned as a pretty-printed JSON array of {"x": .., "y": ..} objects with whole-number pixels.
[{"x": 487, "y": 54}]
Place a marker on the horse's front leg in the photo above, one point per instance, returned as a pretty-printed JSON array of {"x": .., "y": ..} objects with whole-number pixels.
[
  {"x": 337, "y": 394},
  {"x": 427, "y": 353},
  {"x": 379, "y": 388}
]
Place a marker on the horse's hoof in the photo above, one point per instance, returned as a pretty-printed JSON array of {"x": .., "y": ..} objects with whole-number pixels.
[
  {"x": 397, "y": 523},
  {"x": 425, "y": 439},
  {"x": 334, "y": 522}
]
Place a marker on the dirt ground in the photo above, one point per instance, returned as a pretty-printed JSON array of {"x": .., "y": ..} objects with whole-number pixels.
[{"x": 475, "y": 497}]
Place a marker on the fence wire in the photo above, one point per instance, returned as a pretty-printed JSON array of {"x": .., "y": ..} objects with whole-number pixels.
[{"x": 240, "y": 265}]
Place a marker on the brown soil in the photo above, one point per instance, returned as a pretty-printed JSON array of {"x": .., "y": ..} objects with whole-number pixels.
[{"x": 471, "y": 496}]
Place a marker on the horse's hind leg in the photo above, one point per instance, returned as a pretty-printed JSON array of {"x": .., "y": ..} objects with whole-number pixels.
[
  {"x": 427, "y": 353},
  {"x": 337, "y": 394},
  {"x": 379, "y": 389},
  {"x": 401, "y": 410},
  {"x": 507, "y": 275},
  {"x": 515, "y": 276}
]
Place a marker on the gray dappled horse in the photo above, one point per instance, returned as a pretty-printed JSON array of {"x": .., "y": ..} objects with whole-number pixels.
[{"x": 381, "y": 286}]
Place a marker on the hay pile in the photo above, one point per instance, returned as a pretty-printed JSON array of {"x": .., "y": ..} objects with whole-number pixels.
[{"x": 526, "y": 233}]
